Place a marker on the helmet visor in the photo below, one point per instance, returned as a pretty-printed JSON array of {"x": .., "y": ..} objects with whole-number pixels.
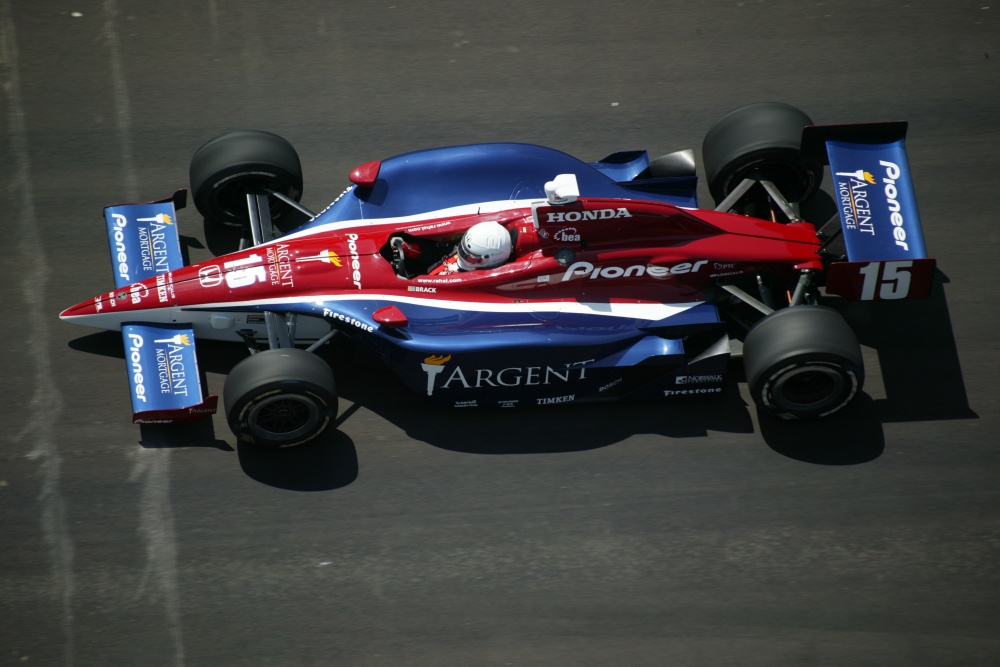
[{"x": 469, "y": 260}]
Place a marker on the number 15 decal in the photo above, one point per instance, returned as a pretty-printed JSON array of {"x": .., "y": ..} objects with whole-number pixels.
[
  {"x": 893, "y": 283},
  {"x": 881, "y": 281}
]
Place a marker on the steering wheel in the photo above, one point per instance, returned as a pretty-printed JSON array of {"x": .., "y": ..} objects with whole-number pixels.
[{"x": 398, "y": 259}]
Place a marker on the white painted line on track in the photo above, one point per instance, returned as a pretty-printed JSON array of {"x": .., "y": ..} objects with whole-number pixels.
[
  {"x": 150, "y": 467},
  {"x": 46, "y": 403}
]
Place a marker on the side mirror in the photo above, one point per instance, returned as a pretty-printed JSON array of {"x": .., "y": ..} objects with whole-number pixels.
[{"x": 390, "y": 317}]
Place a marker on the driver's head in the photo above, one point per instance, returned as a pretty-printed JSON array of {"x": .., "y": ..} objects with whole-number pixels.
[{"x": 485, "y": 245}]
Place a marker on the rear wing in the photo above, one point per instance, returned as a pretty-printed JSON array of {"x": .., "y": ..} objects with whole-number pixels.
[
  {"x": 873, "y": 190},
  {"x": 163, "y": 374},
  {"x": 143, "y": 238}
]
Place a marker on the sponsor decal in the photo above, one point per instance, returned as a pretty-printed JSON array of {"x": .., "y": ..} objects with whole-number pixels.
[
  {"x": 339, "y": 197},
  {"x": 119, "y": 253},
  {"x": 465, "y": 404},
  {"x": 597, "y": 214},
  {"x": 326, "y": 256},
  {"x": 434, "y": 366},
  {"x": 852, "y": 196},
  {"x": 327, "y": 313},
  {"x": 583, "y": 269},
  {"x": 165, "y": 287},
  {"x": 508, "y": 403},
  {"x": 352, "y": 247},
  {"x": 567, "y": 235},
  {"x": 610, "y": 385},
  {"x": 256, "y": 318},
  {"x": 686, "y": 392},
  {"x": 135, "y": 367},
  {"x": 153, "y": 251},
  {"x": 138, "y": 292},
  {"x": 424, "y": 228},
  {"x": 210, "y": 276},
  {"x": 279, "y": 266},
  {"x": 512, "y": 376},
  {"x": 556, "y": 399},
  {"x": 418, "y": 288},
  {"x": 697, "y": 379},
  {"x": 170, "y": 367},
  {"x": 98, "y": 303}
]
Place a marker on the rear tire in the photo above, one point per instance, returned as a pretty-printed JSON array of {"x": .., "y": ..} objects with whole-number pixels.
[
  {"x": 803, "y": 362},
  {"x": 765, "y": 136},
  {"x": 230, "y": 166},
  {"x": 280, "y": 398}
]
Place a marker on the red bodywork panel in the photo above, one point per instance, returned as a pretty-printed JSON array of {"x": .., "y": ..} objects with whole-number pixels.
[{"x": 589, "y": 250}]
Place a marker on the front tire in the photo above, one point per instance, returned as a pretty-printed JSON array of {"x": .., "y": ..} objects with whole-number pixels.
[
  {"x": 803, "y": 362},
  {"x": 232, "y": 165},
  {"x": 280, "y": 398}
]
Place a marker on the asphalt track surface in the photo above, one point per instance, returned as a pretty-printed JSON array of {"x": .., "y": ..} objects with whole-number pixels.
[{"x": 687, "y": 533}]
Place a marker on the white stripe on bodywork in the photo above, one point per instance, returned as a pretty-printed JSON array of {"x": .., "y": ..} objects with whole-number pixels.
[{"x": 638, "y": 311}]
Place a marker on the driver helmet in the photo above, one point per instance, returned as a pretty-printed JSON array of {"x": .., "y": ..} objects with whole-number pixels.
[{"x": 485, "y": 245}]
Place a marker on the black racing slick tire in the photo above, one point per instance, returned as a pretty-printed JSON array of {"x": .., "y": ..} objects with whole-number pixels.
[
  {"x": 230, "y": 166},
  {"x": 765, "y": 136},
  {"x": 280, "y": 398},
  {"x": 803, "y": 362}
]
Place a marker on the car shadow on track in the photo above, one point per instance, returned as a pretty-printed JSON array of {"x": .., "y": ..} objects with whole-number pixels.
[
  {"x": 918, "y": 355},
  {"x": 328, "y": 462},
  {"x": 852, "y": 436}
]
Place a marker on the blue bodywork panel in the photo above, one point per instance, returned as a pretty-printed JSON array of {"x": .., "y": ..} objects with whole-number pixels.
[
  {"x": 464, "y": 357},
  {"x": 441, "y": 178}
]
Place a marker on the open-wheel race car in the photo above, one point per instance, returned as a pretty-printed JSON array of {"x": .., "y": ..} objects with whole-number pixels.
[{"x": 605, "y": 282}]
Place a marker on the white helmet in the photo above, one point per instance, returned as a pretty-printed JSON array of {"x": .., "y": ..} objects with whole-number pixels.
[{"x": 485, "y": 245}]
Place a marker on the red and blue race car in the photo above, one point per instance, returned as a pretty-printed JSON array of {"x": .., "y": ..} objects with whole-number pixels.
[{"x": 617, "y": 285}]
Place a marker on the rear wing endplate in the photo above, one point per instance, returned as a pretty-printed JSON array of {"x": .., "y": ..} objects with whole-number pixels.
[
  {"x": 143, "y": 238},
  {"x": 873, "y": 191},
  {"x": 163, "y": 374}
]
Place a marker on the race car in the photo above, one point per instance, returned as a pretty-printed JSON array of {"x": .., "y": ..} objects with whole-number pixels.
[{"x": 614, "y": 284}]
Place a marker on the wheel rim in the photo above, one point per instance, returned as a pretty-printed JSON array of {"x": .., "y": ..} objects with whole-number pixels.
[
  {"x": 811, "y": 388},
  {"x": 284, "y": 417},
  {"x": 793, "y": 180},
  {"x": 231, "y": 193}
]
